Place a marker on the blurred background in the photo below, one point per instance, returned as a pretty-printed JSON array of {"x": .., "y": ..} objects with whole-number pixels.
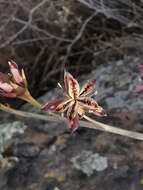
[{"x": 101, "y": 39}]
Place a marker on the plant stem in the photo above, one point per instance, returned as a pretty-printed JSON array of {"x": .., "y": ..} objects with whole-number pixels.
[
  {"x": 88, "y": 124},
  {"x": 115, "y": 130},
  {"x": 28, "y": 98}
]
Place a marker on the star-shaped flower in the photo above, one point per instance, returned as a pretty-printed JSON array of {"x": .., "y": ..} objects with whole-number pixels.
[{"x": 76, "y": 101}]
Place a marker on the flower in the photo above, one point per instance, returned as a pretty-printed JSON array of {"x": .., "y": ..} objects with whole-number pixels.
[
  {"x": 13, "y": 84},
  {"x": 76, "y": 101}
]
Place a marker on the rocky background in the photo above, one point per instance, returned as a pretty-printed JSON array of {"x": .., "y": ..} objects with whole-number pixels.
[{"x": 95, "y": 39}]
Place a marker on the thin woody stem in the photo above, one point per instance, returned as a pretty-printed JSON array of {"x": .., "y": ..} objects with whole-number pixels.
[
  {"x": 115, "y": 130},
  {"x": 88, "y": 124},
  {"x": 47, "y": 117}
]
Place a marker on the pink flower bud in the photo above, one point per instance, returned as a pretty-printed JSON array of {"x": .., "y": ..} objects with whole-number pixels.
[{"x": 13, "y": 84}]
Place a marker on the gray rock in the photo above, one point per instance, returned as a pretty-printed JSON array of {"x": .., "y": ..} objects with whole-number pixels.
[
  {"x": 7, "y": 130},
  {"x": 115, "y": 102},
  {"x": 116, "y": 84},
  {"x": 88, "y": 162},
  {"x": 26, "y": 150}
]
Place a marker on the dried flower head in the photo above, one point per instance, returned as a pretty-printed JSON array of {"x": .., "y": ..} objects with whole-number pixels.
[
  {"x": 13, "y": 84},
  {"x": 76, "y": 101}
]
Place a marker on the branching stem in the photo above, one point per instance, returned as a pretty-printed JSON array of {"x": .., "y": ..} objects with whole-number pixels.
[{"x": 90, "y": 123}]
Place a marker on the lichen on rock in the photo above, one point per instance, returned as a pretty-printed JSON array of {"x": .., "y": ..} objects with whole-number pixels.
[
  {"x": 88, "y": 162},
  {"x": 7, "y": 130}
]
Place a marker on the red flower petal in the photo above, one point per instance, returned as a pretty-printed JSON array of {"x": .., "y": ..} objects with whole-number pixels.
[
  {"x": 71, "y": 85},
  {"x": 88, "y": 103},
  {"x": 81, "y": 111},
  {"x": 73, "y": 110},
  {"x": 91, "y": 105},
  {"x": 72, "y": 115},
  {"x": 8, "y": 95},
  {"x": 51, "y": 105},
  {"x": 63, "y": 106},
  {"x": 7, "y": 88},
  {"x": 73, "y": 123},
  {"x": 15, "y": 72},
  {"x": 99, "y": 112},
  {"x": 88, "y": 87}
]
